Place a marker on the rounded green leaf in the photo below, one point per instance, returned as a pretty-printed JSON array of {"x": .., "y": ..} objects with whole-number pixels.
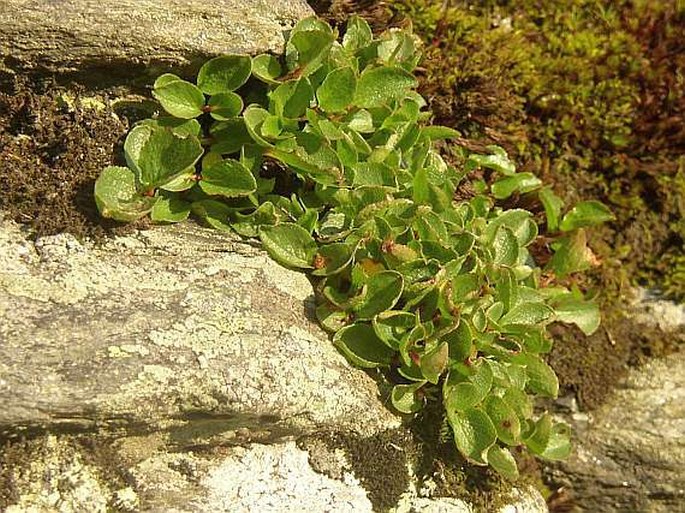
[
  {"x": 224, "y": 106},
  {"x": 498, "y": 160},
  {"x": 215, "y": 213},
  {"x": 519, "y": 402},
  {"x": 116, "y": 196},
  {"x": 404, "y": 397},
  {"x": 267, "y": 68},
  {"x": 135, "y": 140},
  {"x": 584, "y": 314},
  {"x": 289, "y": 244},
  {"x": 170, "y": 209},
  {"x": 474, "y": 433},
  {"x": 541, "y": 378},
  {"x": 559, "y": 443},
  {"x": 182, "y": 182},
  {"x": 391, "y": 325},
  {"x": 332, "y": 258},
  {"x": 224, "y": 74},
  {"x": 527, "y": 313},
  {"x": 520, "y": 182},
  {"x": 166, "y": 154},
  {"x": 464, "y": 393},
  {"x": 504, "y": 418},
  {"x": 337, "y": 90},
  {"x": 362, "y": 347},
  {"x": 227, "y": 178},
  {"x": 503, "y": 462},
  {"x": 505, "y": 247},
  {"x": 307, "y": 50},
  {"x": 180, "y": 126},
  {"x": 292, "y": 98},
  {"x": 379, "y": 86},
  {"x": 254, "y": 117},
  {"x": 553, "y": 205},
  {"x": 434, "y": 362},
  {"x": 381, "y": 293},
  {"x": 519, "y": 221},
  {"x": 585, "y": 213},
  {"x": 358, "y": 33},
  {"x": 180, "y": 98}
]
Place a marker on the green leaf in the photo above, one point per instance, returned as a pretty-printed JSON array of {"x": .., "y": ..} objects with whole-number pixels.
[
  {"x": 381, "y": 85},
  {"x": 311, "y": 48},
  {"x": 541, "y": 378},
  {"x": 529, "y": 314},
  {"x": 519, "y": 221},
  {"x": 116, "y": 196},
  {"x": 361, "y": 121},
  {"x": 463, "y": 393},
  {"x": 182, "y": 182},
  {"x": 381, "y": 293},
  {"x": 135, "y": 140},
  {"x": 267, "y": 68},
  {"x": 559, "y": 443},
  {"x": 229, "y": 136},
  {"x": 474, "y": 433},
  {"x": 503, "y": 462},
  {"x": 165, "y": 155},
  {"x": 289, "y": 244},
  {"x": 520, "y": 182},
  {"x": 584, "y": 314},
  {"x": 434, "y": 362},
  {"x": 505, "y": 246},
  {"x": 179, "y": 126},
  {"x": 571, "y": 254},
  {"x": 248, "y": 225},
  {"x": 520, "y": 402},
  {"x": 358, "y": 34},
  {"x": 170, "y": 209},
  {"x": 585, "y": 213},
  {"x": 373, "y": 173},
  {"x": 390, "y": 326},
  {"x": 224, "y": 106},
  {"x": 437, "y": 133},
  {"x": 498, "y": 160},
  {"x": 553, "y": 205},
  {"x": 337, "y": 90},
  {"x": 362, "y": 347},
  {"x": 504, "y": 418},
  {"x": 404, "y": 397},
  {"x": 332, "y": 258},
  {"x": 292, "y": 98},
  {"x": 215, "y": 213},
  {"x": 227, "y": 178},
  {"x": 254, "y": 117},
  {"x": 179, "y": 98},
  {"x": 224, "y": 74}
]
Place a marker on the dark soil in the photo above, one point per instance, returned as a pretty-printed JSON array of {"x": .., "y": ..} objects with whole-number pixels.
[{"x": 53, "y": 146}]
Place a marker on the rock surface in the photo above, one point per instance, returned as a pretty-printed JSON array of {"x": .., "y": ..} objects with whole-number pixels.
[
  {"x": 138, "y": 36},
  {"x": 630, "y": 453},
  {"x": 171, "y": 327}
]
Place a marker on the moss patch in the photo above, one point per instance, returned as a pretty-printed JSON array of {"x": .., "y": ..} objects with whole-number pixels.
[{"x": 53, "y": 144}]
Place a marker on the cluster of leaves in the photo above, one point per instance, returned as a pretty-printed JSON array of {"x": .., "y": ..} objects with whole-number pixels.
[
  {"x": 588, "y": 92},
  {"x": 442, "y": 295}
]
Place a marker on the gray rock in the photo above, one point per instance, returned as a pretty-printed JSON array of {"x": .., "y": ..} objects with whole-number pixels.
[
  {"x": 176, "y": 328},
  {"x": 630, "y": 453},
  {"x": 138, "y": 36}
]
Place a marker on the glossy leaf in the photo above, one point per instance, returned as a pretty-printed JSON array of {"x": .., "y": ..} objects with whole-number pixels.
[
  {"x": 170, "y": 209},
  {"x": 434, "y": 362},
  {"x": 585, "y": 213},
  {"x": 225, "y": 106},
  {"x": 405, "y": 399},
  {"x": 362, "y": 347},
  {"x": 520, "y": 182},
  {"x": 498, "y": 160},
  {"x": 332, "y": 258},
  {"x": 165, "y": 155},
  {"x": 289, "y": 244},
  {"x": 116, "y": 195},
  {"x": 227, "y": 178},
  {"x": 528, "y": 314},
  {"x": 337, "y": 90},
  {"x": 474, "y": 433},
  {"x": 582, "y": 313},
  {"x": 379, "y": 86},
  {"x": 503, "y": 462},
  {"x": 553, "y": 205},
  {"x": 381, "y": 293},
  {"x": 541, "y": 378},
  {"x": 223, "y": 74},
  {"x": 180, "y": 98},
  {"x": 358, "y": 33},
  {"x": 267, "y": 68},
  {"x": 504, "y": 418}
]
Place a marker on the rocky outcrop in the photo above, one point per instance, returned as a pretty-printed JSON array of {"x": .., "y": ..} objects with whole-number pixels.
[
  {"x": 173, "y": 370},
  {"x": 137, "y": 37},
  {"x": 630, "y": 453}
]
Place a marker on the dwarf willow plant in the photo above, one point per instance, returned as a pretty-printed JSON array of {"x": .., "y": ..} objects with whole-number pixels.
[{"x": 331, "y": 165}]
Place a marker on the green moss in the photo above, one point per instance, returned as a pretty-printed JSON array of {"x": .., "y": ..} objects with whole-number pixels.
[{"x": 587, "y": 94}]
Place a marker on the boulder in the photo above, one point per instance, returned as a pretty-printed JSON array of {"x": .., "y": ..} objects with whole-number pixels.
[
  {"x": 137, "y": 37},
  {"x": 164, "y": 328}
]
